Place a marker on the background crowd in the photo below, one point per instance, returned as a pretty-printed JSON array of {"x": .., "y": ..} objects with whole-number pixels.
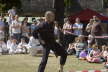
[{"x": 85, "y": 42}]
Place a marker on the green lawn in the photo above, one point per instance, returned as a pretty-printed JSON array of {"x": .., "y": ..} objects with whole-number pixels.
[{"x": 27, "y": 63}]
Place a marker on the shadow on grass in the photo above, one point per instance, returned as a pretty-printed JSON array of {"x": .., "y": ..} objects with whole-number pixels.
[{"x": 40, "y": 55}]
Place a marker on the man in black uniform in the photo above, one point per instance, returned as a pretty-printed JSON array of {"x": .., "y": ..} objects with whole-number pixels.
[{"x": 45, "y": 33}]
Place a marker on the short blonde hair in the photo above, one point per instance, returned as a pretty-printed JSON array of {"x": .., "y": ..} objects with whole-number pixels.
[{"x": 94, "y": 46}]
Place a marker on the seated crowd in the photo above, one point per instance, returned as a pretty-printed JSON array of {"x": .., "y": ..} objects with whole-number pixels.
[{"x": 91, "y": 53}]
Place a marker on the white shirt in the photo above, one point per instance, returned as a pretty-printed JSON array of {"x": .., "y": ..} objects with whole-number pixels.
[
  {"x": 34, "y": 43},
  {"x": 9, "y": 44},
  {"x": 78, "y": 32},
  {"x": 67, "y": 27},
  {"x": 3, "y": 47},
  {"x": 12, "y": 12},
  {"x": 21, "y": 44},
  {"x": 16, "y": 30},
  {"x": 13, "y": 47},
  {"x": 2, "y": 36}
]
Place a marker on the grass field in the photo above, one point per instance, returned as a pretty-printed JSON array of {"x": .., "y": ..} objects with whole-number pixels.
[{"x": 27, "y": 63}]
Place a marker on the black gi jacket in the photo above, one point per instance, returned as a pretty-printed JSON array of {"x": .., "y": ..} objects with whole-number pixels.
[{"x": 45, "y": 32}]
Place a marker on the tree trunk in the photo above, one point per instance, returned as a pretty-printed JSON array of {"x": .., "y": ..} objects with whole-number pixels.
[{"x": 59, "y": 11}]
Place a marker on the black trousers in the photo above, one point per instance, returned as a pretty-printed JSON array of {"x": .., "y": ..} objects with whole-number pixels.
[{"x": 58, "y": 50}]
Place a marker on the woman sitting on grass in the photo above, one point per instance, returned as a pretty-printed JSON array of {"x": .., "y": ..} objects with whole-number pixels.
[
  {"x": 83, "y": 54},
  {"x": 104, "y": 53},
  {"x": 80, "y": 45},
  {"x": 94, "y": 56}
]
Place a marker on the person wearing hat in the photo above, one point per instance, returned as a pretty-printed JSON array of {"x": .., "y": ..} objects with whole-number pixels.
[{"x": 45, "y": 33}]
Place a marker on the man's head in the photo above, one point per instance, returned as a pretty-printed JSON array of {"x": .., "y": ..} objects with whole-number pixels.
[
  {"x": 77, "y": 20},
  {"x": 49, "y": 16}
]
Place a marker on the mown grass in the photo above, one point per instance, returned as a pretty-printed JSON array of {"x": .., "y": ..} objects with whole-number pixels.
[{"x": 27, "y": 63}]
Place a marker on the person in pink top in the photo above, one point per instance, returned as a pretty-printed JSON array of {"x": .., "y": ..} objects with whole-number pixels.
[{"x": 94, "y": 56}]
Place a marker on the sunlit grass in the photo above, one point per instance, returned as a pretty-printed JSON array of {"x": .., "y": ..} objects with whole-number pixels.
[{"x": 27, "y": 63}]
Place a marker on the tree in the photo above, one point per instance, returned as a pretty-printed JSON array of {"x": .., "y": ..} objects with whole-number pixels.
[
  {"x": 72, "y": 6},
  {"x": 1, "y": 8},
  {"x": 105, "y": 3},
  {"x": 10, "y": 3},
  {"x": 59, "y": 11}
]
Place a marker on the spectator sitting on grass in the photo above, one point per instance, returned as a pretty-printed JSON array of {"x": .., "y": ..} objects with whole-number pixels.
[
  {"x": 13, "y": 46},
  {"x": 104, "y": 53},
  {"x": 71, "y": 49},
  {"x": 22, "y": 47},
  {"x": 83, "y": 55},
  {"x": 94, "y": 56},
  {"x": 34, "y": 46},
  {"x": 80, "y": 45},
  {"x": 3, "y": 47}
]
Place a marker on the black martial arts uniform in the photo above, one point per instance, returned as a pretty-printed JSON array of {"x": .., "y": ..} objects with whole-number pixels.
[{"x": 45, "y": 32}]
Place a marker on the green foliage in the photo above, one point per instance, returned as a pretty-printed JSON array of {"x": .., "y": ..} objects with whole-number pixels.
[
  {"x": 10, "y": 3},
  {"x": 1, "y": 7},
  {"x": 105, "y": 3}
]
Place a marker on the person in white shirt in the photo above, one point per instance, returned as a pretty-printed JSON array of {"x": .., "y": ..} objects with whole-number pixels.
[
  {"x": 12, "y": 12},
  {"x": 78, "y": 27},
  {"x": 9, "y": 42},
  {"x": 34, "y": 46},
  {"x": 13, "y": 47},
  {"x": 3, "y": 47},
  {"x": 16, "y": 28},
  {"x": 22, "y": 47}
]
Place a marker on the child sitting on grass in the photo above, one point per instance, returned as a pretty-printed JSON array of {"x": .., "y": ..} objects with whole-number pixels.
[
  {"x": 104, "y": 53},
  {"x": 71, "y": 49},
  {"x": 3, "y": 47},
  {"x": 22, "y": 47},
  {"x": 83, "y": 54},
  {"x": 13, "y": 46},
  {"x": 94, "y": 56},
  {"x": 80, "y": 45}
]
